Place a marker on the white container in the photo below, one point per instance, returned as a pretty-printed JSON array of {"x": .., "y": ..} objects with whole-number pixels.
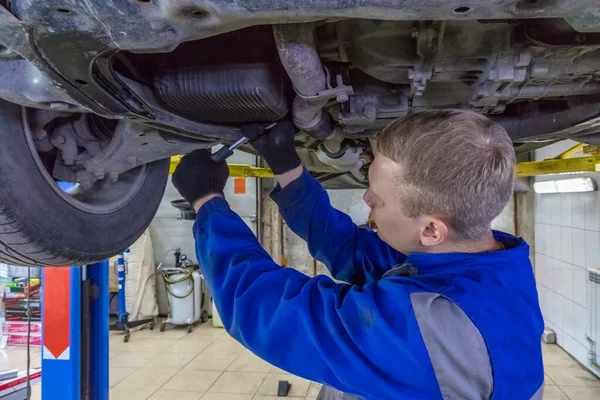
[{"x": 185, "y": 310}]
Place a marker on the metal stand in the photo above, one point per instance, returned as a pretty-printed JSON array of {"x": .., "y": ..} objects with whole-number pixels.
[
  {"x": 165, "y": 271},
  {"x": 123, "y": 324},
  {"x": 183, "y": 268},
  {"x": 75, "y": 332}
]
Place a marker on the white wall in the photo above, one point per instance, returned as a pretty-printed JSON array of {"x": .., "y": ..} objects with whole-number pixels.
[
  {"x": 505, "y": 222},
  {"x": 567, "y": 241},
  {"x": 350, "y": 201},
  {"x": 168, "y": 232}
]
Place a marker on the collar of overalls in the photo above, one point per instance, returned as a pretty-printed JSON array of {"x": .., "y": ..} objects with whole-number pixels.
[{"x": 514, "y": 248}]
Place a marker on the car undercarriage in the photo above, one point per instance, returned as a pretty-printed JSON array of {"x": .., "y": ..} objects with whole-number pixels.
[{"x": 108, "y": 87}]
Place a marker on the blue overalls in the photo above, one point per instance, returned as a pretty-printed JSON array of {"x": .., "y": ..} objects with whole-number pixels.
[{"x": 422, "y": 326}]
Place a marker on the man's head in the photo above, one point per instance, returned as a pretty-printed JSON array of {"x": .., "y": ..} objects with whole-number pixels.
[{"x": 439, "y": 178}]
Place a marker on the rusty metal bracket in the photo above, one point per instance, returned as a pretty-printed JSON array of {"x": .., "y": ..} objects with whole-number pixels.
[{"x": 340, "y": 93}]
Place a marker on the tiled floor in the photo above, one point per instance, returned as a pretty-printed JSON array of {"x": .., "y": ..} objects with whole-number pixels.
[
  {"x": 209, "y": 365},
  {"x": 566, "y": 379},
  {"x": 205, "y": 364}
]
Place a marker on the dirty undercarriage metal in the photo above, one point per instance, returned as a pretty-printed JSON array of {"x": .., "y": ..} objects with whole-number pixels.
[
  {"x": 492, "y": 67},
  {"x": 533, "y": 65},
  {"x": 93, "y": 149},
  {"x": 72, "y": 39}
]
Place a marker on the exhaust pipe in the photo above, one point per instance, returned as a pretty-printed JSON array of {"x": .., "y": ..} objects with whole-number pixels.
[{"x": 298, "y": 54}]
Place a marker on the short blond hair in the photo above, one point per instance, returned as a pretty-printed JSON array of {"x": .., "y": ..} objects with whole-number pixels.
[{"x": 455, "y": 164}]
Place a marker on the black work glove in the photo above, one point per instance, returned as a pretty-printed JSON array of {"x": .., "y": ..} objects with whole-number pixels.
[
  {"x": 197, "y": 176},
  {"x": 276, "y": 145}
]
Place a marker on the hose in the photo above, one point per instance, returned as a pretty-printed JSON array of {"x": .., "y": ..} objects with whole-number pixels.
[{"x": 187, "y": 274}]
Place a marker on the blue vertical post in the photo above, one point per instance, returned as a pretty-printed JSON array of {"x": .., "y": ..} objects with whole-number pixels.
[
  {"x": 123, "y": 317},
  {"x": 99, "y": 336},
  {"x": 61, "y": 333}
]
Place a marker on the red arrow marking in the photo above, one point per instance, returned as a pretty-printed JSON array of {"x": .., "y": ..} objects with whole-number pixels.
[{"x": 56, "y": 303}]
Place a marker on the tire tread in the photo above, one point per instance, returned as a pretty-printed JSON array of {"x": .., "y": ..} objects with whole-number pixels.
[
  {"x": 33, "y": 233},
  {"x": 21, "y": 245}
]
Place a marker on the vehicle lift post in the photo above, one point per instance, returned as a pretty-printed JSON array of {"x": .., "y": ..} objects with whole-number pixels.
[
  {"x": 75, "y": 334},
  {"x": 123, "y": 324}
]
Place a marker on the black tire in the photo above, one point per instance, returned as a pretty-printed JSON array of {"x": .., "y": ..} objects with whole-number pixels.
[{"x": 40, "y": 227}]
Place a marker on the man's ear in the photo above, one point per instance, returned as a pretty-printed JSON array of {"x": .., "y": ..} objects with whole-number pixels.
[{"x": 434, "y": 232}]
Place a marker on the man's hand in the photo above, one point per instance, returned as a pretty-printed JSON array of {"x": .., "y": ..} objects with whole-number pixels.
[
  {"x": 198, "y": 176},
  {"x": 276, "y": 146}
]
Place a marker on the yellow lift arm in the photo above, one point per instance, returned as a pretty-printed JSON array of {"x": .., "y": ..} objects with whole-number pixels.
[
  {"x": 235, "y": 170},
  {"x": 560, "y": 164}
]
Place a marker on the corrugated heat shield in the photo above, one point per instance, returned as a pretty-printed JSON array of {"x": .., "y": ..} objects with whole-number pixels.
[{"x": 230, "y": 93}]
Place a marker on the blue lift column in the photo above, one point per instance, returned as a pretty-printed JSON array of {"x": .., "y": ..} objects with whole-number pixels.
[
  {"x": 121, "y": 276},
  {"x": 99, "y": 336},
  {"x": 75, "y": 319},
  {"x": 123, "y": 323}
]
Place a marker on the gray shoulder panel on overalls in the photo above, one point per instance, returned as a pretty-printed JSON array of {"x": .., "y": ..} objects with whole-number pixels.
[
  {"x": 458, "y": 354},
  {"x": 457, "y": 351}
]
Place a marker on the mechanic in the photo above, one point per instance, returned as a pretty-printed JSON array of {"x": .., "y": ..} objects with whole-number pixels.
[{"x": 436, "y": 304}]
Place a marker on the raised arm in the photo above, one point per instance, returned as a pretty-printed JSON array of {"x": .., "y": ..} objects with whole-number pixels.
[
  {"x": 352, "y": 254},
  {"x": 336, "y": 334}
]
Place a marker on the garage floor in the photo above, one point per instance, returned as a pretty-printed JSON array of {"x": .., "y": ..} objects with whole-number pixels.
[{"x": 209, "y": 365}]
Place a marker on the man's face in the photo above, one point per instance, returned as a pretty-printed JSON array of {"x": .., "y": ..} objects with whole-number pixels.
[{"x": 394, "y": 227}]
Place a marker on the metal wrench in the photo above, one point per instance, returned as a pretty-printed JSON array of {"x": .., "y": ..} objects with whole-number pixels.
[{"x": 226, "y": 151}]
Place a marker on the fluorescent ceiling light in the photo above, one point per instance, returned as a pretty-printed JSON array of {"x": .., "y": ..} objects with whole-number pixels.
[{"x": 565, "y": 186}]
